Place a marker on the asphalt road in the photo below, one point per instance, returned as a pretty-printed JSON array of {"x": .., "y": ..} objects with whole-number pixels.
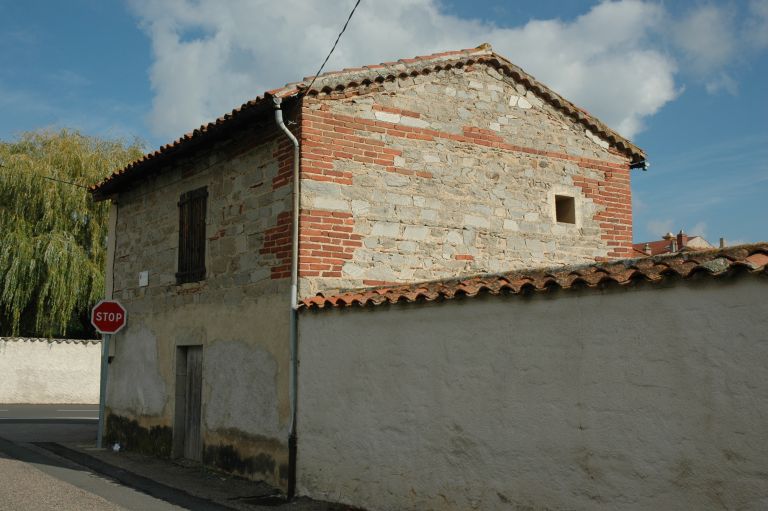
[
  {"x": 32, "y": 478},
  {"x": 48, "y": 413}
]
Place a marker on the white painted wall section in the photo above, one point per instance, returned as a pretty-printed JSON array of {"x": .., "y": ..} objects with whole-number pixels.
[
  {"x": 644, "y": 398},
  {"x": 39, "y": 371}
]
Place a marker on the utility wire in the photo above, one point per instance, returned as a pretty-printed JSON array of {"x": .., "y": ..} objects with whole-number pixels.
[
  {"x": 54, "y": 179},
  {"x": 333, "y": 48}
]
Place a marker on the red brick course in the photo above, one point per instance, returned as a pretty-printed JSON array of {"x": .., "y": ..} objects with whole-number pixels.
[
  {"x": 393, "y": 110},
  {"x": 284, "y": 155},
  {"x": 613, "y": 192},
  {"x": 277, "y": 241},
  {"x": 326, "y": 138},
  {"x": 326, "y": 242},
  {"x": 328, "y": 127}
]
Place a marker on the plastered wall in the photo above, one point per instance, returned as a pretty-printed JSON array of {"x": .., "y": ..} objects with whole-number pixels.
[
  {"x": 632, "y": 399},
  {"x": 39, "y": 371}
]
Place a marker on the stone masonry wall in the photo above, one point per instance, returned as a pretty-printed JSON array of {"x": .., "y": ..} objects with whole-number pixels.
[
  {"x": 451, "y": 173},
  {"x": 238, "y": 313},
  {"x": 246, "y": 200}
]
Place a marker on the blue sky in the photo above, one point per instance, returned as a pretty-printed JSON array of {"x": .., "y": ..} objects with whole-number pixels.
[{"x": 686, "y": 81}]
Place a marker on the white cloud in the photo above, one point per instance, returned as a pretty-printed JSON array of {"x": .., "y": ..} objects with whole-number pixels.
[
  {"x": 706, "y": 36},
  {"x": 756, "y": 28},
  {"x": 211, "y": 56},
  {"x": 713, "y": 41},
  {"x": 722, "y": 82},
  {"x": 618, "y": 60},
  {"x": 659, "y": 228},
  {"x": 601, "y": 60}
]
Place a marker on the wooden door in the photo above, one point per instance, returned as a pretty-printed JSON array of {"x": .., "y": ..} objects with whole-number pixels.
[{"x": 193, "y": 445}]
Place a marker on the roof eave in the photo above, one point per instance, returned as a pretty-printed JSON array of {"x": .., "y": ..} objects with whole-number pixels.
[
  {"x": 187, "y": 144},
  {"x": 637, "y": 155}
]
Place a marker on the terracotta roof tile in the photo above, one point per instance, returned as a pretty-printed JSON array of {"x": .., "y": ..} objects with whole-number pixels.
[
  {"x": 361, "y": 79},
  {"x": 713, "y": 263},
  {"x": 50, "y": 341}
]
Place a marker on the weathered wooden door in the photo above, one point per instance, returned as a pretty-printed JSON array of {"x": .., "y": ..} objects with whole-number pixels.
[{"x": 193, "y": 445}]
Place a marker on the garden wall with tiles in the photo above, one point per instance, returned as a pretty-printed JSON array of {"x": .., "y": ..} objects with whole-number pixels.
[
  {"x": 641, "y": 397},
  {"x": 42, "y": 371},
  {"x": 453, "y": 172}
]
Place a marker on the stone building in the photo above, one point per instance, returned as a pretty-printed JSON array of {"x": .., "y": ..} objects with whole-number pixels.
[{"x": 452, "y": 164}]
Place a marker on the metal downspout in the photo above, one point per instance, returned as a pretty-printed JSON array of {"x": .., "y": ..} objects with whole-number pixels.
[{"x": 292, "y": 440}]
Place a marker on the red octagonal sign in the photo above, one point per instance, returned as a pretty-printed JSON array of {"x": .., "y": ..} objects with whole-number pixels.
[{"x": 108, "y": 317}]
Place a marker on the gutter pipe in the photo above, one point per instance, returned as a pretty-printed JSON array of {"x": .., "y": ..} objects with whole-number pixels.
[{"x": 292, "y": 439}]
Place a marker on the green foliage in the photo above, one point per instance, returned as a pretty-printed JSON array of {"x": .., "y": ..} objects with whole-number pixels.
[{"x": 52, "y": 234}]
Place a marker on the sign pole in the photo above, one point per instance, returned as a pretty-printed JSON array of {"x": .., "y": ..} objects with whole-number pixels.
[
  {"x": 103, "y": 386},
  {"x": 107, "y": 317}
]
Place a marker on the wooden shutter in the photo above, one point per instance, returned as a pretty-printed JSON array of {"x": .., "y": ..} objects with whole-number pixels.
[{"x": 192, "y": 206}]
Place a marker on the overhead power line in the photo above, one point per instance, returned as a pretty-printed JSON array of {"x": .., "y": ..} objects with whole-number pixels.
[
  {"x": 49, "y": 178},
  {"x": 334, "y": 45}
]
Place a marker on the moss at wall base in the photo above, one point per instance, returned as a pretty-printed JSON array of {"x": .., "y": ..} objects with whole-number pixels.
[
  {"x": 226, "y": 457},
  {"x": 154, "y": 441},
  {"x": 251, "y": 456}
]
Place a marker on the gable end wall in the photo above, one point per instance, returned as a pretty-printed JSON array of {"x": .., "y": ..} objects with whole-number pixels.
[{"x": 451, "y": 173}]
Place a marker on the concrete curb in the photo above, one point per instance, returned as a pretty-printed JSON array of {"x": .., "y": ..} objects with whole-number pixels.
[{"x": 161, "y": 491}]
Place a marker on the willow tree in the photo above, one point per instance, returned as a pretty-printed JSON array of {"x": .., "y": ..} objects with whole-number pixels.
[{"x": 52, "y": 234}]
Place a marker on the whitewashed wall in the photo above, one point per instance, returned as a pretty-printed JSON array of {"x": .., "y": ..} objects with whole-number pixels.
[
  {"x": 38, "y": 371},
  {"x": 632, "y": 399}
]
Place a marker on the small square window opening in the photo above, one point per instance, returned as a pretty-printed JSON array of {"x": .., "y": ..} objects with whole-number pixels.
[{"x": 565, "y": 209}]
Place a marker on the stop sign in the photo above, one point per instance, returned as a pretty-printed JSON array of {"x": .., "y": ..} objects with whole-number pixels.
[{"x": 108, "y": 317}]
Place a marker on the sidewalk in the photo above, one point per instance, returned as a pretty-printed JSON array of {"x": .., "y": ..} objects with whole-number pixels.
[{"x": 184, "y": 483}]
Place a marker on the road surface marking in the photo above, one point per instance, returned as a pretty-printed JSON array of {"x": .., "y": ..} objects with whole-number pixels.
[
  {"x": 56, "y": 418},
  {"x": 91, "y": 410}
]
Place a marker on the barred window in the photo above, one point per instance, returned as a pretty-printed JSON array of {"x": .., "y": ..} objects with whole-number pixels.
[{"x": 192, "y": 207}]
